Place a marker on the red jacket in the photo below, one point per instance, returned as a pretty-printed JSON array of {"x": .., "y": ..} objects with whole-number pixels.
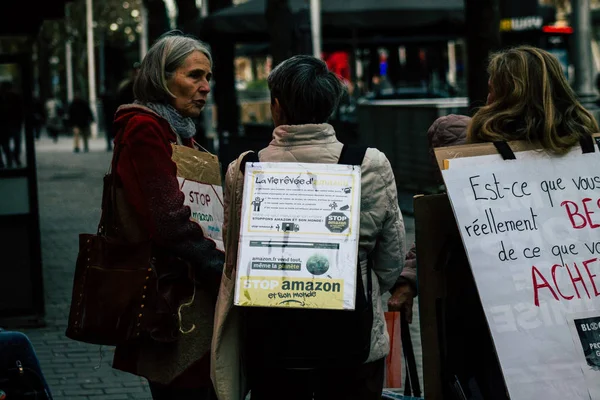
[{"x": 149, "y": 178}]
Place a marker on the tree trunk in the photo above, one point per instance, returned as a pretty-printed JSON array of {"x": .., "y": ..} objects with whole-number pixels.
[
  {"x": 483, "y": 37},
  {"x": 280, "y": 22},
  {"x": 187, "y": 14},
  {"x": 224, "y": 93},
  {"x": 158, "y": 20}
]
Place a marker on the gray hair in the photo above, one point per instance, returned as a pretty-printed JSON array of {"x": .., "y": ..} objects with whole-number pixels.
[
  {"x": 307, "y": 91},
  {"x": 166, "y": 55}
]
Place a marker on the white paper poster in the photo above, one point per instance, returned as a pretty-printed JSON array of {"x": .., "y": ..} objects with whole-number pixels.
[
  {"x": 299, "y": 236},
  {"x": 199, "y": 177},
  {"x": 531, "y": 230},
  {"x": 206, "y": 203}
]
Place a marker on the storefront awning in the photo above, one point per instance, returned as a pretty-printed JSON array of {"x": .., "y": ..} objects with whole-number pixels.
[
  {"x": 385, "y": 15},
  {"x": 24, "y": 18}
]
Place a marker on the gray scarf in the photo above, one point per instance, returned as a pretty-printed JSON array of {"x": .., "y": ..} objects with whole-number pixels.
[{"x": 183, "y": 126}]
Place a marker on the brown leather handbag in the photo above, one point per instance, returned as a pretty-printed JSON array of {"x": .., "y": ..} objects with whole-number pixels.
[{"x": 114, "y": 286}]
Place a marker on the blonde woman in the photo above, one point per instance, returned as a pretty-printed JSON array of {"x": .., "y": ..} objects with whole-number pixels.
[{"x": 530, "y": 99}]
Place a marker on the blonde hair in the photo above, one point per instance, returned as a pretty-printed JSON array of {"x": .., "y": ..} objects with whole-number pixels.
[{"x": 530, "y": 99}]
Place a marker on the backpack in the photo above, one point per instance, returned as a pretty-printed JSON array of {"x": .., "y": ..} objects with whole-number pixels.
[
  {"x": 21, "y": 377},
  {"x": 301, "y": 338}
]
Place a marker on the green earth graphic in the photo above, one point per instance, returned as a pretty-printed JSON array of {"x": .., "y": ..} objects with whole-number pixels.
[{"x": 317, "y": 264}]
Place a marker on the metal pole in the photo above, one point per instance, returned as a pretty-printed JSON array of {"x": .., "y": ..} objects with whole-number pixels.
[
  {"x": 68, "y": 55},
  {"x": 315, "y": 24},
  {"x": 207, "y": 113},
  {"x": 91, "y": 66},
  {"x": 452, "y": 63},
  {"x": 204, "y": 9},
  {"x": 101, "y": 64},
  {"x": 582, "y": 59},
  {"x": 144, "y": 32}
]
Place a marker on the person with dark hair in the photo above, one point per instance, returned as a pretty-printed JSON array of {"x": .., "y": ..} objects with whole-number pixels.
[
  {"x": 304, "y": 95},
  {"x": 55, "y": 118},
  {"x": 125, "y": 94},
  {"x": 80, "y": 119},
  {"x": 38, "y": 114},
  {"x": 109, "y": 108}
]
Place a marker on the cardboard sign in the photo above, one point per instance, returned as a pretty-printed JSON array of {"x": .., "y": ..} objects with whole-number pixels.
[
  {"x": 199, "y": 176},
  {"x": 531, "y": 231},
  {"x": 299, "y": 236}
]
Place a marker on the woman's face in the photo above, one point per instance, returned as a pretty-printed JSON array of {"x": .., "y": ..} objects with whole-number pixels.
[{"x": 190, "y": 85}]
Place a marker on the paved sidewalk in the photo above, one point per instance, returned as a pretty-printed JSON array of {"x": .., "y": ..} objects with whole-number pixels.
[{"x": 70, "y": 189}]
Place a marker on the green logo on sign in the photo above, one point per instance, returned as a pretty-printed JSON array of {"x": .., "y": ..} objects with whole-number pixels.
[{"x": 337, "y": 222}]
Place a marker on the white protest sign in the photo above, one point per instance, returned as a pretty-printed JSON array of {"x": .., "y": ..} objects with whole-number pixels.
[
  {"x": 299, "y": 236},
  {"x": 199, "y": 177},
  {"x": 531, "y": 231},
  {"x": 585, "y": 330},
  {"x": 205, "y": 202}
]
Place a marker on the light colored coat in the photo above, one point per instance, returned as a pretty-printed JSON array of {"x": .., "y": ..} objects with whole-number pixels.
[{"x": 381, "y": 238}]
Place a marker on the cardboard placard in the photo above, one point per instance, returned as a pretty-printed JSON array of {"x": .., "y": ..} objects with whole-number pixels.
[
  {"x": 530, "y": 229},
  {"x": 199, "y": 177}
]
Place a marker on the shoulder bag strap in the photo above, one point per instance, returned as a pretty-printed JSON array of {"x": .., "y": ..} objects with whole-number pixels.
[{"x": 109, "y": 197}]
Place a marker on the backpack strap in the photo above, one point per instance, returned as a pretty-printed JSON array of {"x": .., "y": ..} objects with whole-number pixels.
[
  {"x": 504, "y": 150},
  {"x": 587, "y": 144},
  {"x": 248, "y": 157},
  {"x": 352, "y": 155},
  {"x": 231, "y": 244}
]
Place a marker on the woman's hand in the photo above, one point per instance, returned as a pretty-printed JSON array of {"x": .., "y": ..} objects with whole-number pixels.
[{"x": 402, "y": 300}]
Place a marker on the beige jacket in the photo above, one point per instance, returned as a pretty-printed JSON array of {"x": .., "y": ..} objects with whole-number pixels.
[{"x": 381, "y": 237}]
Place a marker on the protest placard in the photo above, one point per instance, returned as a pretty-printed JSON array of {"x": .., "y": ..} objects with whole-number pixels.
[
  {"x": 299, "y": 236},
  {"x": 199, "y": 177},
  {"x": 530, "y": 229}
]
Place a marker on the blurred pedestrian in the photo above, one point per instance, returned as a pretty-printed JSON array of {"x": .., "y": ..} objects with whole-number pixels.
[
  {"x": 12, "y": 116},
  {"x": 6, "y": 156},
  {"x": 80, "y": 119},
  {"x": 38, "y": 114},
  {"x": 109, "y": 108},
  {"x": 171, "y": 90},
  {"x": 530, "y": 99},
  {"x": 125, "y": 92},
  {"x": 304, "y": 95},
  {"x": 55, "y": 118}
]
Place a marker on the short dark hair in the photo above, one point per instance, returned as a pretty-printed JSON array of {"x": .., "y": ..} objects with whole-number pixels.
[{"x": 307, "y": 91}]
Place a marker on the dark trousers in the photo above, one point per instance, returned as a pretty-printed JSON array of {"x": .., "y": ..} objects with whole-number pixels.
[
  {"x": 53, "y": 133},
  {"x": 355, "y": 383},
  {"x": 165, "y": 392}
]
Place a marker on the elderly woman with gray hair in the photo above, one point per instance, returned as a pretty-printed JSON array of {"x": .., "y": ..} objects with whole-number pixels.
[{"x": 171, "y": 89}]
